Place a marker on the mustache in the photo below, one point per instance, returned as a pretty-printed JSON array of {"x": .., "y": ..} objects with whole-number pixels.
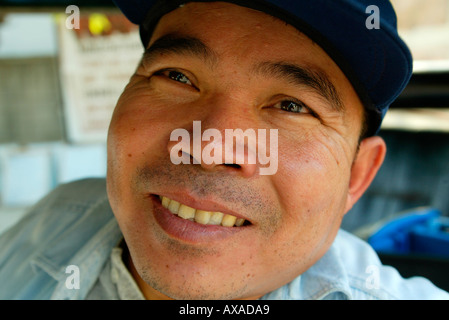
[{"x": 229, "y": 189}]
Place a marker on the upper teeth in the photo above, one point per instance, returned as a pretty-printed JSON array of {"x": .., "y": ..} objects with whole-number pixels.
[{"x": 200, "y": 216}]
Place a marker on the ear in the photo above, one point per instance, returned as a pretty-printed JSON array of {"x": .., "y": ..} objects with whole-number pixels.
[{"x": 369, "y": 158}]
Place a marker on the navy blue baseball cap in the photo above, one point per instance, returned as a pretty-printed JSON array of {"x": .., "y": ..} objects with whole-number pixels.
[{"x": 375, "y": 60}]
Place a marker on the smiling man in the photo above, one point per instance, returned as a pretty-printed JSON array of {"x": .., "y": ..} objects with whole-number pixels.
[
  {"x": 312, "y": 71},
  {"x": 234, "y": 81}
]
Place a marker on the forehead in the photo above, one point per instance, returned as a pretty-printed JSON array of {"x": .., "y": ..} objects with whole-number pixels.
[
  {"x": 246, "y": 34},
  {"x": 224, "y": 23}
]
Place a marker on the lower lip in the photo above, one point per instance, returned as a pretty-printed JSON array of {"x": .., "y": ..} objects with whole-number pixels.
[{"x": 189, "y": 231}]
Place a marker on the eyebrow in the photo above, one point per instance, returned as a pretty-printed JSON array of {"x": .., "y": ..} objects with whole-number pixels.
[
  {"x": 303, "y": 76},
  {"x": 181, "y": 45},
  {"x": 295, "y": 74}
]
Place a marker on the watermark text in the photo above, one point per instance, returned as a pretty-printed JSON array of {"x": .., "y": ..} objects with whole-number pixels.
[{"x": 239, "y": 147}]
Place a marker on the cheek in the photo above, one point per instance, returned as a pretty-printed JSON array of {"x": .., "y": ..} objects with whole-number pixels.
[
  {"x": 134, "y": 138},
  {"x": 312, "y": 171},
  {"x": 137, "y": 131},
  {"x": 312, "y": 184},
  {"x": 312, "y": 189}
]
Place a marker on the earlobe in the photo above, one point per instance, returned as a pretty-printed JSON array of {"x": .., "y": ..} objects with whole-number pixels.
[{"x": 370, "y": 157}]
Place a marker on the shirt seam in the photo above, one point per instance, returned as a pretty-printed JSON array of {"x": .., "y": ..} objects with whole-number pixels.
[{"x": 357, "y": 284}]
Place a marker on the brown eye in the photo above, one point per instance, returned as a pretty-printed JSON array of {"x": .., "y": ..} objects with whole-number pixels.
[
  {"x": 178, "y": 76},
  {"x": 292, "y": 106}
]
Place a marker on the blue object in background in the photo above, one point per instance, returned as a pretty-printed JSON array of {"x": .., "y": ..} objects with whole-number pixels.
[
  {"x": 73, "y": 162},
  {"x": 26, "y": 176},
  {"x": 421, "y": 232},
  {"x": 28, "y": 173}
]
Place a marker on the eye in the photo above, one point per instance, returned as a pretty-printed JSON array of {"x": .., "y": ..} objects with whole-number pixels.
[
  {"x": 293, "y": 106},
  {"x": 177, "y": 76}
]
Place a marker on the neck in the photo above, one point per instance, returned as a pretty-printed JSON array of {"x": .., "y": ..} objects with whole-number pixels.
[{"x": 148, "y": 292}]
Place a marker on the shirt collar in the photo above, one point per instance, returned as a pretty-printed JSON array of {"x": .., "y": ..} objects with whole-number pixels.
[{"x": 326, "y": 279}]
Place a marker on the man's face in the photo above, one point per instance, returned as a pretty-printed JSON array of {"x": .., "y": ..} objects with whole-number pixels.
[{"x": 231, "y": 67}]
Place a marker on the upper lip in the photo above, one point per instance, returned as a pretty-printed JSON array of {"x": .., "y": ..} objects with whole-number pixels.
[{"x": 205, "y": 204}]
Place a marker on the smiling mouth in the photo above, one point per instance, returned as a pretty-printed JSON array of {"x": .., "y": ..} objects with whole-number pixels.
[{"x": 200, "y": 216}]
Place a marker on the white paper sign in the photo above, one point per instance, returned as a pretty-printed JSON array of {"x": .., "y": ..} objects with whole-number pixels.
[{"x": 94, "y": 71}]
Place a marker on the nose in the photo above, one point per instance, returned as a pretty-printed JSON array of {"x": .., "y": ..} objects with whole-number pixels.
[
  {"x": 223, "y": 136},
  {"x": 233, "y": 150}
]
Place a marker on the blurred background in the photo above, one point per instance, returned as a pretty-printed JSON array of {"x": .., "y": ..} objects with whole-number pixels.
[{"x": 58, "y": 87}]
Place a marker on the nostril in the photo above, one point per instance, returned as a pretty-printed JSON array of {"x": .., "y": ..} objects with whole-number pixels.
[{"x": 233, "y": 165}]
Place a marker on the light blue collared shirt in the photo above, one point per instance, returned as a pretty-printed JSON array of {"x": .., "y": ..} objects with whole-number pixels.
[{"x": 74, "y": 226}]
